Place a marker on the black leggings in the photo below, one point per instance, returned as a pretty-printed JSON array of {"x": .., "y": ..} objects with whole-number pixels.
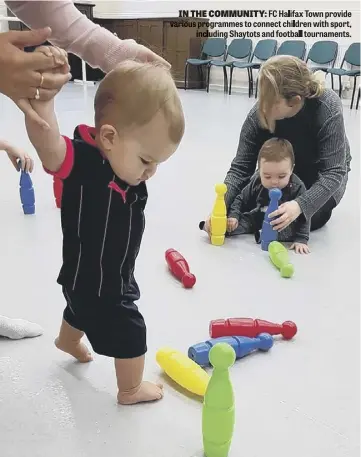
[{"x": 323, "y": 215}]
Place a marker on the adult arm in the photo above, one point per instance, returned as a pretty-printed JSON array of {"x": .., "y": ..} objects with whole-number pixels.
[
  {"x": 302, "y": 225},
  {"x": 244, "y": 163},
  {"x": 332, "y": 165},
  {"x": 74, "y": 32},
  {"x": 245, "y": 201}
]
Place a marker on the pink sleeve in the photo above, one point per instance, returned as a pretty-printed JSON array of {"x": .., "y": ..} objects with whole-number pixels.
[{"x": 74, "y": 32}]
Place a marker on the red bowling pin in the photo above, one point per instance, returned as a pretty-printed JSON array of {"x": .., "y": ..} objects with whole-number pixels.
[
  {"x": 250, "y": 327},
  {"x": 180, "y": 268}
]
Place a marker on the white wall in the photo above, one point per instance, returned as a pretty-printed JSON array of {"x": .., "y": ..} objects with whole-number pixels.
[
  {"x": 142, "y": 8},
  {"x": 3, "y": 24}
]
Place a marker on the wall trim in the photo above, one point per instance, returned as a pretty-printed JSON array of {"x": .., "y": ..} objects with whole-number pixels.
[{"x": 135, "y": 14}]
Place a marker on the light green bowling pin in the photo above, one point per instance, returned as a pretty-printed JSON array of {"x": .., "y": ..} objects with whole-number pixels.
[
  {"x": 280, "y": 258},
  {"x": 218, "y": 408}
]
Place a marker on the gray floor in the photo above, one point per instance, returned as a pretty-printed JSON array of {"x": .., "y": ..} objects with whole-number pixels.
[{"x": 301, "y": 399}]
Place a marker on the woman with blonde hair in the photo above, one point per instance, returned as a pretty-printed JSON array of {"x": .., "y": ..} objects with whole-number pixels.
[{"x": 294, "y": 104}]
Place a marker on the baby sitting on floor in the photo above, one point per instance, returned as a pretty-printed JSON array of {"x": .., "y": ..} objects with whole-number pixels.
[{"x": 275, "y": 170}]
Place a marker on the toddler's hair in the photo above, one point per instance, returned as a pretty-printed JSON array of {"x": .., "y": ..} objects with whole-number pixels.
[
  {"x": 133, "y": 93},
  {"x": 286, "y": 77},
  {"x": 276, "y": 150}
]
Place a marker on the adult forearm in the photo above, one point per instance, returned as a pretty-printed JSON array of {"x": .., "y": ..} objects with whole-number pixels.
[
  {"x": 74, "y": 32},
  {"x": 244, "y": 163},
  {"x": 323, "y": 189},
  {"x": 302, "y": 234}
]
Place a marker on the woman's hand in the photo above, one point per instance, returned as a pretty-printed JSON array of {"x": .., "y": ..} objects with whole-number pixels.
[
  {"x": 15, "y": 155},
  {"x": 51, "y": 81},
  {"x": 232, "y": 224},
  {"x": 21, "y": 76},
  {"x": 285, "y": 215},
  {"x": 21, "y": 71},
  {"x": 300, "y": 248},
  {"x": 142, "y": 53}
]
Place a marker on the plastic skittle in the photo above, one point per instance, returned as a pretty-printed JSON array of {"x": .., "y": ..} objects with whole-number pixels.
[
  {"x": 180, "y": 268},
  {"x": 267, "y": 232},
  {"x": 242, "y": 346},
  {"x": 244, "y": 326},
  {"x": 183, "y": 370},
  {"x": 27, "y": 195},
  {"x": 58, "y": 190},
  {"x": 219, "y": 216},
  {"x": 218, "y": 415},
  {"x": 280, "y": 258}
]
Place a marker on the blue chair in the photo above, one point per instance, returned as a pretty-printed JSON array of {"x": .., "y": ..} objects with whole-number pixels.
[
  {"x": 240, "y": 48},
  {"x": 323, "y": 53},
  {"x": 263, "y": 51},
  {"x": 294, "y": 48},
  {"x": 352, "y": 58},
  {"x": 212, "y": 47}
]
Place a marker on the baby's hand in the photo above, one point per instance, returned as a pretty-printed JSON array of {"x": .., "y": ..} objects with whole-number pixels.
[
  {"x": 53, "y": 80},
  {"x": 300, "y": 248},
  {"x": 15, "y": 154},
  {"x": 59, "y": 55},
  {"x": 232, "y": 224}
]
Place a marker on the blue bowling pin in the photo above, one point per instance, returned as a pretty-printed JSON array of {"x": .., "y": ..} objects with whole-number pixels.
[
  {"x": 267, "y": 232},
  {"x": 27, "y": 195},
  {"x": 242, "y": 346}
]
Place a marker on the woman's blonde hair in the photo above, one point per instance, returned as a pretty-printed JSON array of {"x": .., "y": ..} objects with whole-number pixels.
[
  {"x": 285, "y": 77},
  {"x": 133, "y": 93}
]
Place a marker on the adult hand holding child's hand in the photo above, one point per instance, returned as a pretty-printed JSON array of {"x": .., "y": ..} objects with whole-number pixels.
[{"x": 52, "y": 80}]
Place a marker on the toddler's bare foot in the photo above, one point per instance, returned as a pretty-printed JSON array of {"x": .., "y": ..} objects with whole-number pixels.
[
  {"x": 78, "y": 350},
  {"x": 147, "y": 391}
]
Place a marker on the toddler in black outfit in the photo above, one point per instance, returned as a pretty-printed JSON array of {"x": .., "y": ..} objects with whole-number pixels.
[{"x": 139, "y": 124}]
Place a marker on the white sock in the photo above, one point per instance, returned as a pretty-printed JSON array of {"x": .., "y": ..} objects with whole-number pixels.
[{"x": 16, "y": 329}]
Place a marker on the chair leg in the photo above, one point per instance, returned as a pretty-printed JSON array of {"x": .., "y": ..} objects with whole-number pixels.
[
  {"x": 250, "y": 75},
  {"x": 358, "y": 98},
  {"x": 201, "y": 76},
  {"x": 332, "y": 85},
  {"x": 230, "y": 80},
  {"x": 225, "y": 80},
  {"x": 208, "y": 76},
  {"x": 340, "y": 86},
  {"x": 249, "y": 84},
  {"x": 255, "y": 95},
  {"x": 185, "y": 76},
  {"x": 353, "y": 92}
]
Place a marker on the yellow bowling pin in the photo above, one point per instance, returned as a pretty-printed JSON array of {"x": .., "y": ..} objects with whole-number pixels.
[
  {"x": 219, "y": 216},
  {"x": 183, "y": 370}
]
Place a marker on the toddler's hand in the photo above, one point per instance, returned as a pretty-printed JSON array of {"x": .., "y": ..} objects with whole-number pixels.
[
  {"x": 15, "y": 154},
  {"x": 59, "y": 55},
  {"x": 300, "y": 248},
  {"x": 232, "y": 224}
]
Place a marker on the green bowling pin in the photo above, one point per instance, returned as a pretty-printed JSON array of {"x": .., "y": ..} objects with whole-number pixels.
[
  {"x": 280, "y": 258},
  {"x": 218, "y": 415}
]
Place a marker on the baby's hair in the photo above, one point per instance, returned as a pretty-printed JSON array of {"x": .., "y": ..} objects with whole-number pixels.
[
  {"x": 133, "y": 93},
  {"x": 276, "y": 150},
  {"x": 286, "y": 77}
]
